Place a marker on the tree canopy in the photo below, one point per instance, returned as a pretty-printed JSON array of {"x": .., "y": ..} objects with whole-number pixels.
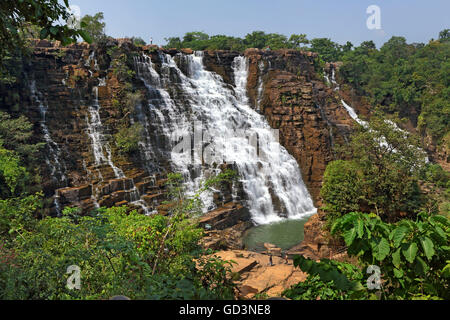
[{"x": 94, "y": 26}]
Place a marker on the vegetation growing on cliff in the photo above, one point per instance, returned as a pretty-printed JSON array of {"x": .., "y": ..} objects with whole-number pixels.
[
  {"x": 127, "y": 138},
  {"x": 410, "y": 79}
]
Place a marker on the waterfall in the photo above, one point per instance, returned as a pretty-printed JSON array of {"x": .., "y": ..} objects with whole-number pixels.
[
  {"x": 353, "y": 114},
  {"x": 231, "y": 132},
  {"x": 53, "y": 156},
  {"x": 330, "y": 79},
  {"x": 100, "y": 145},
  {"x": 365, "y": 124},
  {"x": 259, "y": 93}
]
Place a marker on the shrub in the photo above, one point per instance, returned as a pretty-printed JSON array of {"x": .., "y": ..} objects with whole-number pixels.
[
  {"x": 127, "y": 138},
  {"x": 118, "y": 253},
  {"x": 341, "y": 189}
]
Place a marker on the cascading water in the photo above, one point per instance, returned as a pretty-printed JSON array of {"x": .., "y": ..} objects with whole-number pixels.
[
  {"x": 233, "y": 133},
  {"x": 54, "y": 153},
  {"x": 365, "y": 124},
  {"x": 100, "y": 146},
  {"x": 54, "y": 163},
  {"x": 259, "y": 93},
  {"x": 353, "y": 114}
]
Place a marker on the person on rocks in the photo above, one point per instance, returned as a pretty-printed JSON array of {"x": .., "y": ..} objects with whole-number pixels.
[
  {"x": 286, "y": 259},
  {"x": 271, "y": 259}
]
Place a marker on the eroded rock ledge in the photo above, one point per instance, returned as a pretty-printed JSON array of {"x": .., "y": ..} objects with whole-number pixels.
[{"x": 256, "y": 275}]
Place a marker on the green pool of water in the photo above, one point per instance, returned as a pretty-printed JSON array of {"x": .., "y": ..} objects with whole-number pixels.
[{"x": 284, "y": 235}]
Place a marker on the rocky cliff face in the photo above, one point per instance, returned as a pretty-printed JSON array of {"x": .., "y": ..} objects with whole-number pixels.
[{"x": 75, "y": 96}]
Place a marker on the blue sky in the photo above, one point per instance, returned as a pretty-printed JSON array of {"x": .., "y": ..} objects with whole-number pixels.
[{"x": 418, "y": 21}]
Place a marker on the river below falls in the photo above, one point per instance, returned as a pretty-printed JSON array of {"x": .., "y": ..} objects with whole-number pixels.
[{"x": 284, "y": 234}]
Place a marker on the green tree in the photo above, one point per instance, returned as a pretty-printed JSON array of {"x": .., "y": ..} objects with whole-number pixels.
[
  {"x": 195, "y": 36},
  {"x": 297, "y": 40},
  {"x": 444, "y": 35},
  {"x": 277, "y": 41},
  {"x": 45, "y": 14},
  {"x": 328, "y": 50},
  {"x": 256, "y": 39},
  {"x": 138, "y": 41},
  {"x": 173, "y": 42},
  {"x": 94, "y": 26},
  {"x": 341, "y": 190}
]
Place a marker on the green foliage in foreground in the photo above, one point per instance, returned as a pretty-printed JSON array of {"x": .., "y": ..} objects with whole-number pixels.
[
  {"x": 413, "y": 257},
  {"x": 115, "y": 253},
  {"x": 94, "y": 26},
  {"x": 327, "y": 280},
  {"x": 119, "y": 253}
]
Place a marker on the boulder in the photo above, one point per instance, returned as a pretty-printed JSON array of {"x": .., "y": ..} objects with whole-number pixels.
[{"x": 224, "y": 217}]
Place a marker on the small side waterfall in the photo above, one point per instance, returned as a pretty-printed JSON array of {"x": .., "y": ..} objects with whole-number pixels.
[
  {"x": 53, "y": 155},
  {"x": 353, "y": 114},
  {"x": 365, "y": 124},
  {"x": 100, "y": 145},
  {"x": 259, "y": 93},
  {"x": 52, "y": 159}
]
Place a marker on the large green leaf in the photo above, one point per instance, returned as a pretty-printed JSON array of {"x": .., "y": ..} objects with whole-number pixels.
[
  {"x": 381, "y": 249},
  {"x": 410, "y": 251},
  {"x": 349, "y": 236},
  {"x": 396, "y": 258},
  {"x": 441, "y": 219},
  {"x": 398, "y": 273},
  {"x": 398, "y": 234},
  {"x": 86, "y": 37},
  {"x": 428, "y": 247},
  {"x": 360, "y": 228},
  {"x": 420, "y": 266}
]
